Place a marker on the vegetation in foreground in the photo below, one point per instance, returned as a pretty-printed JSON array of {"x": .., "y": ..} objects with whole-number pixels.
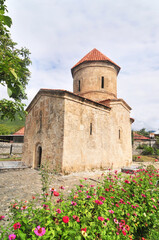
[{"x": 117, "y": 208}]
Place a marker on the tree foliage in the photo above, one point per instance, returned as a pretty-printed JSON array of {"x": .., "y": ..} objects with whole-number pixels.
[
  {"x": 14, "y": 72},
  {"x": 8, "y": 126},
  {"x": 143, "y": 132}
]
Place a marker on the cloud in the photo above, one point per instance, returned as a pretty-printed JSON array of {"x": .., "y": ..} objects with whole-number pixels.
[{"x": 59, "y": 33}]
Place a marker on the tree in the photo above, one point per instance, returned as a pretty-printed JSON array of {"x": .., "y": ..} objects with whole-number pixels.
[
  {"x": 14, "y": 72},
  {"x": 143, "y": 132}
]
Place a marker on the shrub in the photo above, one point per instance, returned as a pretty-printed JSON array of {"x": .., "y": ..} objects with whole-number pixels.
[
  {"x": 148, "y": 150},
  {"x": 141, "y": 146},
  {"x": 117, "y": 208}
]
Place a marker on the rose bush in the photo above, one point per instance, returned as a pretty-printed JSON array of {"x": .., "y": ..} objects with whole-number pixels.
[{"x": 117, "y": 208}]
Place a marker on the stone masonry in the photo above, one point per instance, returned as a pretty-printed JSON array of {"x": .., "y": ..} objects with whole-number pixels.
[{"x": 84, "y": 130}]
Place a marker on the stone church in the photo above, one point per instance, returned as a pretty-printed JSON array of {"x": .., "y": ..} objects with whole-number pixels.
[{"x": 89, "y": 128}]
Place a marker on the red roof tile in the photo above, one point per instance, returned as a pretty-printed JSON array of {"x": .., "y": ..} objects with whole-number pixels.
[
  {"x": 95, "y": 55},
  {"x": 19, "y": 132},
  {"x": 140, "y": 137}
]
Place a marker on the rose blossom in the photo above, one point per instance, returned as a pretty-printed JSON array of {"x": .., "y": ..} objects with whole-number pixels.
[
  {"x": 83, "y": 231},
  {"x": 88, "y": 196},
  {"x": 76, "y": 218},
  {"x": 111, "y": 211},
  {"x": 98, "y": 202},
  {"x": 56, "y": 194},
  {"x": 65, "y": 219},
  {"x": 101, "y": 218},
  {"x": 24, "y": 207},
  {"x": 12, "y": 236},
  {"x": 39, "y": 231},
  {"x": 16, "y": 225},
  {"x": 58, "y": 210}
]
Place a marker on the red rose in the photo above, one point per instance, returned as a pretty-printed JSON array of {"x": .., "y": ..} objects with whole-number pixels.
[
  {"x": 127, "y": 227},
  {"x": 65, "y": 219},
  {"x": 84, "y": 229},
  {"x": 56, "y": 194},
  {"x": 16, "y": 225}
]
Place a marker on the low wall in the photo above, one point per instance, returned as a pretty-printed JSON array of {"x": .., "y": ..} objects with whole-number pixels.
[{"x": 11, "y": 148}]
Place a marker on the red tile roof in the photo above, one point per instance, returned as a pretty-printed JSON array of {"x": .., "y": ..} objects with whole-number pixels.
[
  {"x": 95, "y": 55},
  {"x": 140, "y": 137},
  {"x": 19, "y": 132}
]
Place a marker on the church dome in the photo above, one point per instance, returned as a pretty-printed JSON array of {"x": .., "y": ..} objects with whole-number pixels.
[{"x": 95, "y": 76}]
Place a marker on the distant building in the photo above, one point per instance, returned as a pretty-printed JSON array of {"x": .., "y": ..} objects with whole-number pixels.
[
  {"x": 17, "y": 137},
  {"x": 156, "y": 134},
  {"x": 142, "y": 140},
  {"x": 89, "y": 128}
]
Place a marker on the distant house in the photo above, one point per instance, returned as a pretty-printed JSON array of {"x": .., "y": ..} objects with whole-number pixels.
[
  {"x": 156, "y": 134},
  {"x": 142, "y": 140},
  {"x": 17, "y": 137},
  {"x": 152, "y": 135}
]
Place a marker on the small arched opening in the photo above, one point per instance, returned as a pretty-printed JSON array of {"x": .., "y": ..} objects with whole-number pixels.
[{"x": 38, "y": 156}]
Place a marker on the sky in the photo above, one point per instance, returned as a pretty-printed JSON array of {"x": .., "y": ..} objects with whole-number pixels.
[{"x": 59, "y": 33}]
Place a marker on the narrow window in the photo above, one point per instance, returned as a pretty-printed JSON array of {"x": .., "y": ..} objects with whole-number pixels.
[
  {"x": 79, "y": 85},
  {"x": 119, "y": 133},
  {"x": 102, "y": 82},
  {"x": 90, "y": 128}
]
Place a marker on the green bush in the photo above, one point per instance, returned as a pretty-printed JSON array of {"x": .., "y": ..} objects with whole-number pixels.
[
  {"x": 148, "y": 150},
  {"x": 118, "y": 208},
  {"x": 141, "y": 146}
]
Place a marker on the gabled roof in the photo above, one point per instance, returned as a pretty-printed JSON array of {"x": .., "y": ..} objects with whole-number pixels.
[
  {"x": 20, "y": 132},
  {"x": 95, "y": 55},
  {"x": 62, "y": 93},
  {"x": 140, "y": 137}
]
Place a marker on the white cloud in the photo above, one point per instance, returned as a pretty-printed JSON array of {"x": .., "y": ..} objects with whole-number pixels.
[{"x": 59, "y": 33}]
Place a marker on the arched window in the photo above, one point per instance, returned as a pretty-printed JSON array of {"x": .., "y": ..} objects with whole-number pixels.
[
  {"x": 90, "y": 128},
  {"x": 102, "y": 82},
  {"x": 39, "y": 155},
  {"x": 79, "y": 85}
]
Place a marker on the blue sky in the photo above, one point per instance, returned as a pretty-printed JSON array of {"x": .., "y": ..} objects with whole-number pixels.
[{"x": 59, "y": 33}]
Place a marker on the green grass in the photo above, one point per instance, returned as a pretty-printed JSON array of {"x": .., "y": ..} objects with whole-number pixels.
[
  {"x": 11, "y": 159},
  {"x": 144, "y": 158},
  {"x": 8, "y": 127}
]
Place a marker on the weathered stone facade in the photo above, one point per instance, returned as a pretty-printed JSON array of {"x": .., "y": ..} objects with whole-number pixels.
[{"x": 85, "y": 130}]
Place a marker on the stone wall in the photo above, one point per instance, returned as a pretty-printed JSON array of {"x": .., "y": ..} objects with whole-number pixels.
[
  {"x": 13, "y": 148},
  {"x": 136, "y": 143},
  {"x": 86, "y": 132},
  {"x": 89, "y": 75},
  {"x": 101, "y": 149},
  {"x": 120, "y": 135},
  {"x": 44, "y": 129},
  {"x": 76, "y": 134}
]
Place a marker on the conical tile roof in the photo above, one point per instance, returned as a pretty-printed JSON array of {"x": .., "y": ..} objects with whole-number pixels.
[{"x": 95, "y": 55}]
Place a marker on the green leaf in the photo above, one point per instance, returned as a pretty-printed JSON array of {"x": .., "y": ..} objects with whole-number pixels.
[
  {"x": 13, "y": 73},
  {"x": 9, "y": 91},
  {"x": 7, "y": 21},
  {"x": 21, "y": 234}
]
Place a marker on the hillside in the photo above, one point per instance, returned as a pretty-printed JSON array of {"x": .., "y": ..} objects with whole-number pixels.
[{"x": 8, "y": 127}]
